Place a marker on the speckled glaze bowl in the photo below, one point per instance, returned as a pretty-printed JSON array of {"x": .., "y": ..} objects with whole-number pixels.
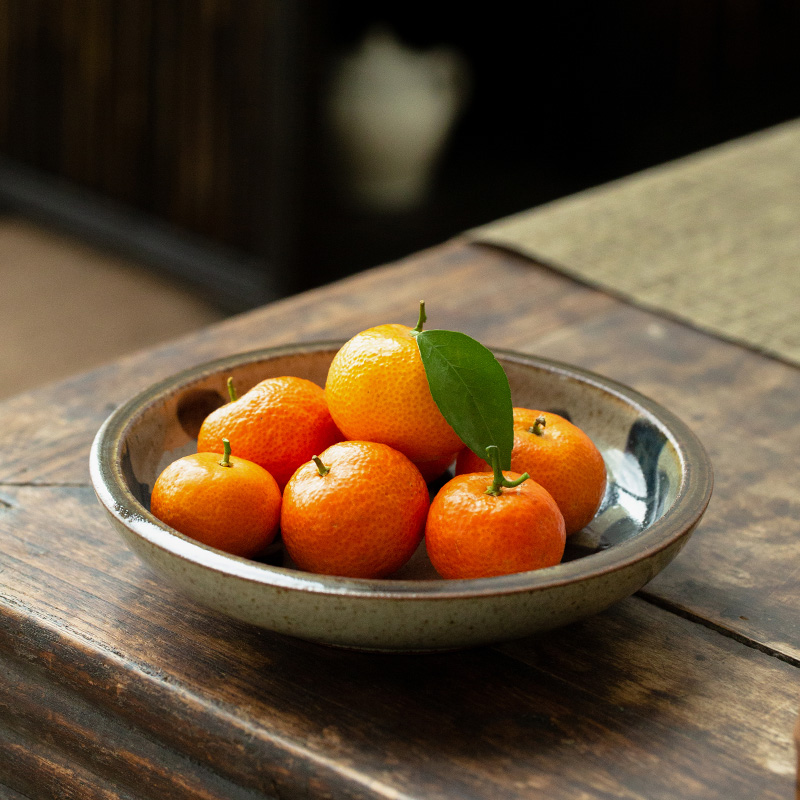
[{"x": 659, "y": 485}]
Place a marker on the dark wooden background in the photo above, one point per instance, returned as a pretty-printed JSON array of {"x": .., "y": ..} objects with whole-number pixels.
[
  {"x": 161, "y": 105},
  {"x": 207, "y": 115}
]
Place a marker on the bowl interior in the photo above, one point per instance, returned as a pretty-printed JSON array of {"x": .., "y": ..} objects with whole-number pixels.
[{"x": 644, "y": 463}]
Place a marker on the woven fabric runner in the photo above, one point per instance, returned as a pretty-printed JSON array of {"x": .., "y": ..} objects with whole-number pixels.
[{"x": 712, "y": 239}]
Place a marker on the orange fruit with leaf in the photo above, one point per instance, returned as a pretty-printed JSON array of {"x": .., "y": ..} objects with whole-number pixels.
[
  {"x": 225, "y": 502},
  {"x": 559, "y": 456},
  {"x": 357, "y": 510},
  {"x": 377, "y": 391},
  {"x": 482, "y": 525},
  {"x": 279, "y": 424}
]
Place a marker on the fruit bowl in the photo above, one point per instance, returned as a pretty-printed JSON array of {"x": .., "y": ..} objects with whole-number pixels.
[{"x": 659, "y": 484}]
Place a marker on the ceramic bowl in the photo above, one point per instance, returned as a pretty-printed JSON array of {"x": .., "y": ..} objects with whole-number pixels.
[{"x": 659, "y": 485}]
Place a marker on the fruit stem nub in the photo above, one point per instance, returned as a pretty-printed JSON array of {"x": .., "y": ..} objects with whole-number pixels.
[
  {"x": 226, "y": 458},
  {"x": 538, "y": 425},
  {"x": 500, "y": 481},
  {"x": 421, "y": 320},
  {"x": 321, "y": 468},
  {"x": 232, "y": 390}
]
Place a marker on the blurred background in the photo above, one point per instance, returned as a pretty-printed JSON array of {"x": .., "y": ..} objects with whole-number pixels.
[{"x": 164, "y": 163}]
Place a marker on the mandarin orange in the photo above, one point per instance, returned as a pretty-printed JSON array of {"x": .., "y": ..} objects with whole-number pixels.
[
  {"x": 228, "y": 503},
  {"x": 559, "y": 456},
  {"x": 478, "y": 527},
  {"x": 357, "y": 511},
  {"x": 279, "y": 424},
  {"x": 377, "y": 391}
]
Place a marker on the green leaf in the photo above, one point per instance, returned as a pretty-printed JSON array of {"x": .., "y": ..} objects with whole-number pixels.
[{"x": 471, "y": 389}]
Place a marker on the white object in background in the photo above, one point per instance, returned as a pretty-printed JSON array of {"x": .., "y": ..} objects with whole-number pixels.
[{"x": 391, "y": 109}]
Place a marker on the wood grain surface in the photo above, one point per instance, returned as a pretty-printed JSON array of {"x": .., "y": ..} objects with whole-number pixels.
[{"x": 117, "y": 686}]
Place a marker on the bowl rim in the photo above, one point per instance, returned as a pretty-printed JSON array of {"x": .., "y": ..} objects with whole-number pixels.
[{"x": 691, "y": 500}]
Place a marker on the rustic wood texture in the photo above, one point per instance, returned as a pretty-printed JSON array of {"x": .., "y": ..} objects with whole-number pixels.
[
  {"x": 129, "y": 684},
  {"x": 742, "y": 405},
  {"x": 165, "y": 106},
  {"x": 128, "y": 688}
]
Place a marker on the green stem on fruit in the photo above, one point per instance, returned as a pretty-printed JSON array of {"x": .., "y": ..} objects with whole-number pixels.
[
  {"x": 421, "y": 320},
  {"x": 321, "y": 468},
  {"x": 232, "y": 391},
  {"x": 226, "y": 458},
  {"x": 538, "y": 426},
  {"x": 500, "y": 481}
]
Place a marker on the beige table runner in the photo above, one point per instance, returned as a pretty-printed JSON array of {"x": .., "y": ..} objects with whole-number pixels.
[{"x": 712, "y": 239}]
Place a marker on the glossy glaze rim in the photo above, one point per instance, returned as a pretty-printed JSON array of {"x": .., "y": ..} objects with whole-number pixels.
[{"x": 679, "y": 520}]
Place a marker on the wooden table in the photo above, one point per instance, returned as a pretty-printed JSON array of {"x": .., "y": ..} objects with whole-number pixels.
[{"x": 116, "y": 686}]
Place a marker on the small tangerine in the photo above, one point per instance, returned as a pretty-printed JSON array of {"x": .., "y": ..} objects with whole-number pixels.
[
  {"x": 377, "y": 391},
  {"x": 357, "y": 510},
  {"x": 230, "y": 503},
  {"x": 558, "y": 455},
  {"x": 279, "y": 424}
]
